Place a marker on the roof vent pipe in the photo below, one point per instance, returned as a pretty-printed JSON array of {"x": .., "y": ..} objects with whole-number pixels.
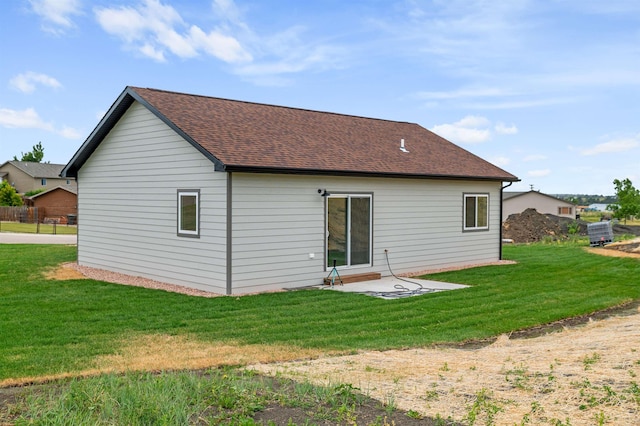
[{"x": 402, "y": 148}]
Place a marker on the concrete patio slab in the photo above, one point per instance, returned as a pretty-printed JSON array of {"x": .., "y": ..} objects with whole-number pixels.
[{"x": 393, "y": 288}]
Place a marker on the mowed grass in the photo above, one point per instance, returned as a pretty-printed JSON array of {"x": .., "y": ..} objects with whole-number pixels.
[
  {"x": 50, "y": 328},
  {"x": 33, "y": 228}
]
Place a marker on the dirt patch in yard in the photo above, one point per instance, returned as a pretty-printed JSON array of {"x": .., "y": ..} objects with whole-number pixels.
[
  {"x": 628, "y": 248},
  {"x": 583, "y": 374}
]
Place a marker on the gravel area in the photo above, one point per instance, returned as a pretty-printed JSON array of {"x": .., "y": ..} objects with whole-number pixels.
[
  {"x": 73, "y": 270},
  {"x": 118, "y": 278}
]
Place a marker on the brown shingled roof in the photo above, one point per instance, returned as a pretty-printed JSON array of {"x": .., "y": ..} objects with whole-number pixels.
[{"x": 257, "y": 137}]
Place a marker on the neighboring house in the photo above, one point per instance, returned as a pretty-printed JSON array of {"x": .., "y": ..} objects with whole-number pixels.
[
  {"x": 26, "y": 176},
  {"x": 57, "y": 203},
  {"x": 517, "y": 202},
  {"x": 237, "y": 197},
  {"x": 598, "y": 207}
]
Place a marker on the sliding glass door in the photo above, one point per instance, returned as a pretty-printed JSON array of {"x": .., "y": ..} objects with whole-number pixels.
[{"x": 348, "y": 230}]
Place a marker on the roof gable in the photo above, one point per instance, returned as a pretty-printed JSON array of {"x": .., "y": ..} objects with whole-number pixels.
[
  {"x": 57, "y": 188},
  {"x": 507, "y": 195},
  {"x": 244, "y": 136},
  {"x": 38, "y": 170}
]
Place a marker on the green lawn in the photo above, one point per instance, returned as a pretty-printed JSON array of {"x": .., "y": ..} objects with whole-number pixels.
[
  {"x": 51, "y": 327},
  {"x": 33, "y": 228}
]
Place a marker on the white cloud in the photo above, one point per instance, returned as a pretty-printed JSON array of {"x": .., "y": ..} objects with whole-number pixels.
[
  {"x": 461, "y": 134},
  {"x": 467, "y": 130},
  {"x": 26, "y": 119},
  {"x": 539, "y": 173},
  {"x": 534, "y": 157},
  {"x": 69, "y": 133},
  {"x": 30, "y": 119},
  {"x": 26, "y": 82},
  {"x": 154, "y": 29},
  {"x": 472, "y": 129},
  {"x": 503, "y": 129},
  {"x": 616, "y": 145},
  {"x": 56, "y": 14},
  {"x": 219, "y": 45},
  {"x": 473, "y": 121}
]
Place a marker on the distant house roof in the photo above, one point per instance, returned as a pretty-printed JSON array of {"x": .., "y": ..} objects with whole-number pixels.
[
  {"x": 245, "y": 136},
  {"x": 38, "y": 170},
  {"x": 506, "y": 195},
  {"x": 57, "y": 188}
]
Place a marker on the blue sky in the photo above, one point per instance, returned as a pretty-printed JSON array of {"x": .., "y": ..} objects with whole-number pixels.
[{"x": 549, "y": 90}]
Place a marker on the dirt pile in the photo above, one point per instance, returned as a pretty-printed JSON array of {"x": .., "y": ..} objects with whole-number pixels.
[{"x": 531, "y": 226}]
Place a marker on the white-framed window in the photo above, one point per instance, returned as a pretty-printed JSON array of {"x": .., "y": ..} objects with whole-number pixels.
[
  {"x": 476, "y": 212},
  {"x": 189, "y": 213},
  {"x": 349, "y": 230},
  {"x": 43, "y": 182}
]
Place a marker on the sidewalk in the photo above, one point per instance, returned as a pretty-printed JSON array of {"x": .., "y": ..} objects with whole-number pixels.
[{"x": 14, "y": 238}]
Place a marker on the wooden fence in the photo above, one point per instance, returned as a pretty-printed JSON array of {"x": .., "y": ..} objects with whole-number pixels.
[{"x": 21, "y": 214}]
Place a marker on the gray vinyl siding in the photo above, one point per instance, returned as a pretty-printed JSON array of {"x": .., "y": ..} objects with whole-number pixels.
[
  {"x": 128, "y": 206},
  {"x": 278, "y": 220},
  {"x": 128, "y": 217}
]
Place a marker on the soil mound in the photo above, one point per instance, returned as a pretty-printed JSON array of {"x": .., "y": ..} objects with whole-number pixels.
[{"x": 531, "y": 226}]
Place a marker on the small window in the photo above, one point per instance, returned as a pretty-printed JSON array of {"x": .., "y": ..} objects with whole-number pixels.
[
  {"x": 189, "y": 213},
  {"x": 43, "y": 182},
  {"x": 564, "y": 210},
  {"x": 476, "y": 212}
]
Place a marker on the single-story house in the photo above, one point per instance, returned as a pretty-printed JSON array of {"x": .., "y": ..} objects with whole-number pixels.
[
  {"x": 236, "y": 197},
  {"x": 27, "y": 176},
  {"x": 60, "y": 203},
  {"x": 517, "y": 202}
]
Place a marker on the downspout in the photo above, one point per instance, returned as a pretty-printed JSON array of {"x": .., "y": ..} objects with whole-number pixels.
[
  {"x": 229, "y": 227},
  {"x": 501, "y": 227}
]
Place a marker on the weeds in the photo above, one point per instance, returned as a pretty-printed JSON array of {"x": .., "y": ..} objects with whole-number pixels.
[
  {"x": 483, "y": 407},
  {"x": 588, "y": 361},
  {"x": 228, "y": 396},
  {"x": 518, "y": 378}
]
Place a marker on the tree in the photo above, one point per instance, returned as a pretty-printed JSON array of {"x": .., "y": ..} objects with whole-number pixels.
[
  {"x": 35, "y": 156},
  {"x": 8, "y": 195},
  {"x": 628, "y": 200}
]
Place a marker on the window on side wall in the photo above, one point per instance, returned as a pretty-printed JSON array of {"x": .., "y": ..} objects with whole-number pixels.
[
  {"x": 564, "y": 210},
  {"x": 476, "y": 212},
  {"x": 189, "y": 213},
  {"x": 43, "y": 182}
]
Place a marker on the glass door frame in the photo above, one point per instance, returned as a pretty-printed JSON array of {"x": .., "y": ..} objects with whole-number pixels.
[{"x": 348, "y": 196}]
